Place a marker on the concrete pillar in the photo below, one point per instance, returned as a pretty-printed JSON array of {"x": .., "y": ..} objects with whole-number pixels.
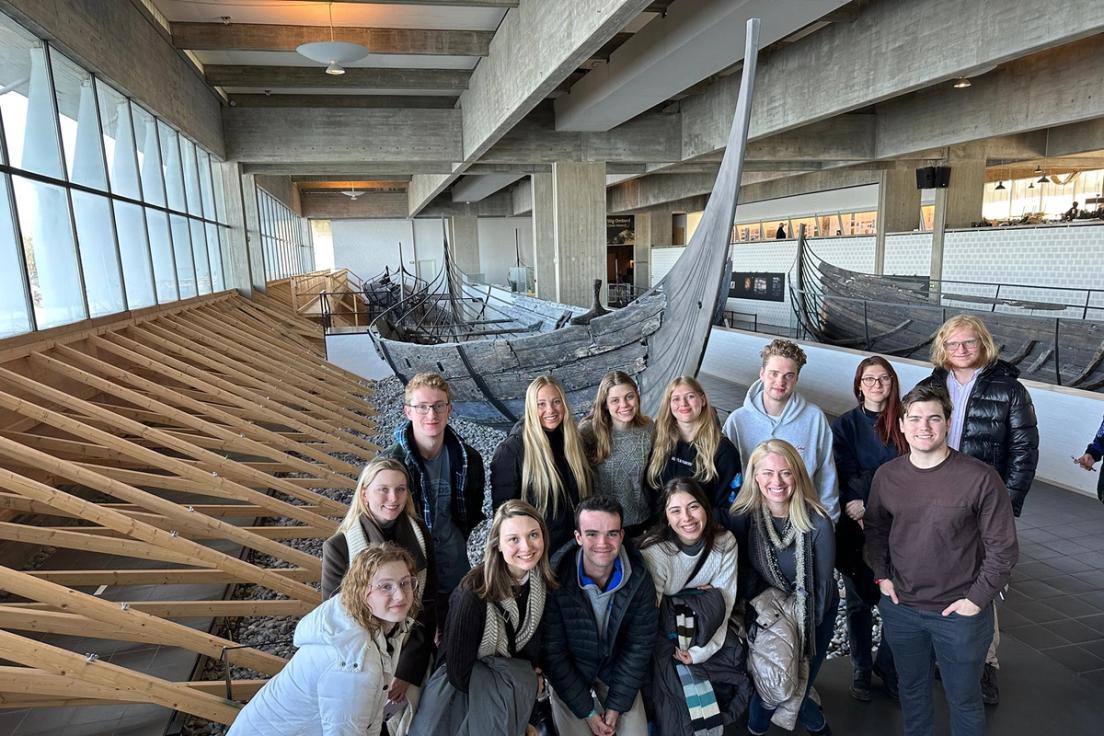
[
  {"x": 959, "y": 205},
  {"x": 898, "y": 209},
  {"x": 653, "y": 229},
  {"x": 544, "y": 245},
  {"x": 579, "y": 229},
  {"x": 235, "y": 253},
  {"x": 253, "y": 245},
  {"x": 463, "y": 235}
]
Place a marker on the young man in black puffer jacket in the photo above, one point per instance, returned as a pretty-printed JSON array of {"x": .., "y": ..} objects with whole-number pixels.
[
  {"x": 993, "y": 420},
  {"x": 599, "y": 627}
]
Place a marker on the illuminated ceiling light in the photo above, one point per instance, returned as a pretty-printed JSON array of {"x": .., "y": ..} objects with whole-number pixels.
[
  {"x": 334, "y": 54},
  {"x": 961, "y": 83}
]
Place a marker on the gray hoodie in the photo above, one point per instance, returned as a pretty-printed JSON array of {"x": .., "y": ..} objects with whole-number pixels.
[
  {"x": 602, "y": 600},
  {"x": 801, "y": 424}
]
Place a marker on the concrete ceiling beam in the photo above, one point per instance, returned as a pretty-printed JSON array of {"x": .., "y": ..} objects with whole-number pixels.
[
  {"x": 392, "y": 206},
  {"x": 321, "y": 136},
  {"x": 347, "y": 169},
  {"x": 275, "y": 77},
  {"x": 421, "y": 102},
  {"x": 480, "y": 186},
  {"x": 267, "y": 37},
  {"x": 535, "y": 48},
  {"x": 455, "y": 3}
]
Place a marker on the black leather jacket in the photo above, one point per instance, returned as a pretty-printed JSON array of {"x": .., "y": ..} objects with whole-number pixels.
[{"x": 1000, "y": 426}]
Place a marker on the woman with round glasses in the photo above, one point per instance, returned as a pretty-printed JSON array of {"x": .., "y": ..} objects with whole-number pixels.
[
  {"x": 348, "y": 651},
  {"x": 542, "y": 461},
  {"x": 381, "y": 510},
  {"x": 617, "y": 437},
  {"x": 491, "y": 646},
  {"x": 689, "y": 444},
  {"x": 864, "y": 439}
]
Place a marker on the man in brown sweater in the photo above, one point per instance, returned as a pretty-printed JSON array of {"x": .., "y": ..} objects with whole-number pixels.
[{"x": 941, "y": 540}]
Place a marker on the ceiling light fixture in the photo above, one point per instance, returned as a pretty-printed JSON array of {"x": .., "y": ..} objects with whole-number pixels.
[
  {"x": 1000, "y": 186},
  {"x": 962, "y": 83},
  {"x": 334, "y": 54},
  {"x": 1043, "y": 179},
  {"x": 352, "y": 193}
]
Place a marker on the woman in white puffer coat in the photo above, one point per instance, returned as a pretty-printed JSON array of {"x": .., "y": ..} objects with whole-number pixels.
[{"x": 336, "y": 683}]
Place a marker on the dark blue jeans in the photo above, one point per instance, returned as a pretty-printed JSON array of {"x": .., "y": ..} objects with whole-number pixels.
[
  {"x": 860, "y": 632},
  {"x": 959, "y": 644},
  {"x": 810, "y": 716}
]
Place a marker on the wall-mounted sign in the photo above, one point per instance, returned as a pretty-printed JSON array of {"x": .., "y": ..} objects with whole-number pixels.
[
  {"x": 767, "y": 287},
  {"x": 620, "y": 230}
]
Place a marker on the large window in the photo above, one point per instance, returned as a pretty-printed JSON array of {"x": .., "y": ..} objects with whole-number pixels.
[
  {"x": 103, "y": 206},
  {"x": 287, "y": 249}
]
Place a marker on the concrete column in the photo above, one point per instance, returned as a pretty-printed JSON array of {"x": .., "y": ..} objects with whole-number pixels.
[
  {"x": 544, "y": 245},
  {"x": 653, "y": 229},
  {"x": 898, "y": 209},
  {"x": 579, "y": 229},
  {"x": 235, "y": 254},
  {"x": 253, "y": 245},
  {"x": 463, "y": 235},
  {"x": 959, "y": 205}
]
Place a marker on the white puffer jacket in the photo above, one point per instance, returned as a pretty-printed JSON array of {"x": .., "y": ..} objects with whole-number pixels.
[{"x": 335, "y": 685}]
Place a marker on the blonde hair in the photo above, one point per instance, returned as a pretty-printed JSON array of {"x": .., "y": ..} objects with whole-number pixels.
[
  {"x": 426, "y": 380},
  {"x": 707, "y": 436},
  {"x": 988, "y": 347},
  {"x": 357, "y": 583},
  {"x": 358, "y": 507},
  {"x": 491, "y": 580},
  {"x": 601, "y": 423},
  {"x": 750, "y": 499},
  {"x": 779, "y": 348},
  {"x": 541, "y": 484}
]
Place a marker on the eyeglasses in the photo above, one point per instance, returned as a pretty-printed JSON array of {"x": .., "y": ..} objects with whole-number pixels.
[
  {"x": 880, "y": 380},
  {"x": 968, "y": 345},
  {"x": 388, "y": 588},
  {"x": 422, "y": 409}
]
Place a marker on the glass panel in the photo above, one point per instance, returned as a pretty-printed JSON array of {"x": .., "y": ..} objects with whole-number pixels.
[
  {"x": 191, "y": 176},
  {"x": 135, "y": 254},
  {"x": 80, "y": 125},
  {"x": 49, "y": 252},
  {"x": 199, "y": 250},
  {"x": 27, "y": 105},
  {"x": 149, "y": 158},
  {"x": 164, "y": 273},
  {"x": 206, "y": 194},
  {"x": 220, "y": 195},
  {"x": 174, "y": 174},
  {"x": 96, "y": 239},
  {"x": 118, "y": 142},
  {"x": 182, "y": 250},
  {"x": 214, "y": 257},
  {"x": 14, "y": 316}
]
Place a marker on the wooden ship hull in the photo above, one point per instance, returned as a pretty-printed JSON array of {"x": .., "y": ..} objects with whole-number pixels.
[
  {"x": 899, "y": 315},
  {"x": 663, "y": 334}
]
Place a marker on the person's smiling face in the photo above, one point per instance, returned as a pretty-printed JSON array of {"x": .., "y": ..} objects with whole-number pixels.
[
  {"x": 387, "y": 495},
  {"x": 775, "y": 479},
  {"x": 550, "y": 408},
  {"x": 686, "y": 517},
  {"x": 521, "y": 544},
  {"x": 622, "y": 403}
]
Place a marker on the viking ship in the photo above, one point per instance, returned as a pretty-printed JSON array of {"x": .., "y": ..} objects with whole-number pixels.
[
  {"x": 1048, "y": 337},
  {"x": 661, "y": 335}
]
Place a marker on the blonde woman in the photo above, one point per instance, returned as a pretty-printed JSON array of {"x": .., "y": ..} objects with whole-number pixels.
[
  {"x": 787, "y": 542},
  {"x": 542, "y": 461},
  {"x": 348, "y": 648},
  {"x": 689, "y": 444},
  {"x": 382, "y": 511},
  {"x": 492, "y": 635},
  {"x": 617, "y": 438}
]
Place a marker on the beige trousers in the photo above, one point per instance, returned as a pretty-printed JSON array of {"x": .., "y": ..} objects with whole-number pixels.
[{"x": 633, "y": 723}]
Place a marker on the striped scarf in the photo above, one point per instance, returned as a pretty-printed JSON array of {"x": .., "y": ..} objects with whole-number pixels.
[{"x": 701, "y": 701}]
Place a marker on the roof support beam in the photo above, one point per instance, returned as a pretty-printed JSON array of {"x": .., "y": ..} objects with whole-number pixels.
[
  {"x": 275, "y": 77},
  {"x": 264, "y": 37}
]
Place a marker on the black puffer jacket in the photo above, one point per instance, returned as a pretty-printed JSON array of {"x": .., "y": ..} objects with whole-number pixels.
[
  {"x": 1000, "y": 426},
  {"x": 574, "y": 656}
]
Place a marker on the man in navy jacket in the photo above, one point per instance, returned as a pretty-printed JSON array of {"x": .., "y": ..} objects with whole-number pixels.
[{"x": 599, "y": 627}]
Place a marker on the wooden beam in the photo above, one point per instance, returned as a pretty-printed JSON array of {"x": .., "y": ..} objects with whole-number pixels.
[
  {"x": 267, "y": 532},
  {"x": 205, "y": 609},
  {"x": 96, "y": 545},
  {"x": 271, "y": 37},
  {"x": 165, "y": 576},
  {"x": 27, "y": 687},
  {"x": 276, "y": 77},
  {"x": 85, "y": 669}
]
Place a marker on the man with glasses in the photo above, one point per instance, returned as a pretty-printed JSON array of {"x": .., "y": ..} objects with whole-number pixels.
[
  {"x": 446, "y": 478},
  {"x": 992, "y": 420}
]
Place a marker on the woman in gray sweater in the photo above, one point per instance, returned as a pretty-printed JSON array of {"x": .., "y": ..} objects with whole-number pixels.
[{"x": 617, "y": 439}]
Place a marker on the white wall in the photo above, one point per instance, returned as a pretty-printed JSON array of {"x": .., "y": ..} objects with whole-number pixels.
[
  {"x": 1068, "y": 418},
  {"x": 366, "y": 246},
  {"x": 496, "y": 246}
]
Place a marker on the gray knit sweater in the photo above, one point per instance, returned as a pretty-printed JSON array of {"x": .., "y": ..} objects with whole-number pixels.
[{"x": 621, "y": 475}]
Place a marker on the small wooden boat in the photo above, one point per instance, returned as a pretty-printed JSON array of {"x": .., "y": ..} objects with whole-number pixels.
[
  {"x": 659, "y": 336},
  {"x": 1049, "y": 341}
]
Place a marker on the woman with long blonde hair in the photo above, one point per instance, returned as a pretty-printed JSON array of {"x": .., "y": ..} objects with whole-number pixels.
[
  {"x": 617, "y": 438},
  {"x": 689, "y": 443},
  {"x": 787, "y": 542},
  {"x": 348, "y": 651},
  {"x": 542, "y": 461},
  {"x": 382, "y": 510}
]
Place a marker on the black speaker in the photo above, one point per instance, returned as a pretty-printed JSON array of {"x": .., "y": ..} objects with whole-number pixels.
[
  {"x": 925, "y": 177},
  {"x": 942, "y": 177}
]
